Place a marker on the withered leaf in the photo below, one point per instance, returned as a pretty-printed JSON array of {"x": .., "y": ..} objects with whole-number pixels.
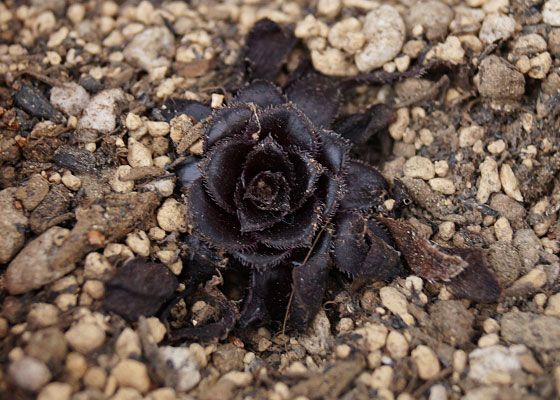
[
  {"x": 424, "y": 257},
  {"x": 139, "y": 288},
  {"x": 465, "y": 271}
]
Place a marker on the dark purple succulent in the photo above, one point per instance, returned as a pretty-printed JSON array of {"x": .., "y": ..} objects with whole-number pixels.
[
  {"x": 270, "y": 179},
  {"x": 278, "y": 191}
]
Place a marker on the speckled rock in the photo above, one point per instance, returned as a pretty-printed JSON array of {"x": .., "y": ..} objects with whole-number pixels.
[
  {"x": 385, "y": 33},
  {"x": 32, "y": 267},
  {"x": 70, "y": 98},
  {"x": 499, "y": 80},
  {"x": 13, "y": 224},
  {"x": 551, "y": 12},
  {"x": 504, "y": 262},
  {"x": 540, "y": 332},
  {"x": 496, "y": 27},
  {"x": 99, "y": 115},
  {"x": 151, "y": 49},
  {"x": 528, "y": 245},
  {"x": 494, "y": 359},
  {"x": 33, "y": 192},
  {"x": 489, "y": 180},
  {"x": 453, "y": 321},
  {"x": 433, "y": 16},
  {"x": 185, "y": 367}
]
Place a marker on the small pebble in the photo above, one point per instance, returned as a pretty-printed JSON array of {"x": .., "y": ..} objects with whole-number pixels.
[
  {"x": 128, "y": 345},
  {"x": 85, "y": 337},
  {"x": 438, "y": 392},
  {"x": 551, "y": 12},
  {"x": 42, "y": 315},
  {"x": 426, "y": 362},
  {"x": 490, "y": 325},
  {"x": 397, "y": 345},
  {"x": 99, "y": 116},
  {"x": 488, "y": 340},
  {"x": 139, "y": 243},
  {"x": 71, "y": 182},
  {"x": 329, "y": 8},
  {"x": 157, "y": 128},
  {"x": 70, "y": 98},
  {"x": 29, "y": 373},
  {"x": 342, "y": 351},
  {"x": 443, "y": 185},
  {"x": 132, "y": 373},
  {"x": 489, "y": 180},
  {"x": 95, "y": 377},
  {"x": 469, "y": 135},
  {"x": 459, "y": 361},
  {"x": 157, "y": 329},
  {"x": 419, "y": 167},
  {"x": 373, "y": 336},
  {"x": 96, "y": 266},
  {"x": 118, "y": 185},
  {"x": 164, "y": 393},
  {"x": 397, "y": 128},
  {"x": 171, "y": 216},
  {"x": 509, "y": 183},
  {"x": 385, "y": 31},
  {"x": 553, "y": 306},
  {"x": 138, "y": 154},
  {"x": 496, "y": 27},
  {"x": 133, "y": 122},
  {"x": 497, "y": 146},
  {"x": 499, "y": 80},
  {"x": 56, "y": 391},
  {"x": 446, "y": 230},
  {"x": 393, "y": 300},
  {"x": 502, "y": 230}
]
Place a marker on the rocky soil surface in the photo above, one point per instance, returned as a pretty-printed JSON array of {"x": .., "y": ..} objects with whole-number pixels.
[{"x": 85, "y": 179}]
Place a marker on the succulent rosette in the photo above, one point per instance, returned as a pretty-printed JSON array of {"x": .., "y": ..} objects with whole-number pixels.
[
  {"x": 276, "y": 189},
  {"x": 269, "y": 179}
]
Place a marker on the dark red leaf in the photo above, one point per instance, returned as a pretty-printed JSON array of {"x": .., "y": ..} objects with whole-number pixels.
[
  {"x": 262, "y": 93},
  {"x": 361, "y": 248},
  {"x": 334, "y": 152},
  {"x": 175, "y": 106},
  {"x": 289, "y": 127},
  {"x": 309, "y": 283},
  {"x": 268, "y": 296},
  {"x": 221, "y": 170},
  {"x": 267, "y": 155},
  {"x": 262, "y": 257},
  {"x": 267, "y": 44},
  {"x": 213, "y": 224},
  {"x": 364, "y": 187},
  {"x": 317, "y": 96},
  {"x": 226, "y": 122},
  {"x": 358, "y": 128},
  {"x": 307, "y": 172},
  {"x": 295, "y": 230},
  {"x": 476, "y": 282}
]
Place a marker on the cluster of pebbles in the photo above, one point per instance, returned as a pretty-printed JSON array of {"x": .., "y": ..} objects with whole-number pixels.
[{"x": 481, "y": 166}]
